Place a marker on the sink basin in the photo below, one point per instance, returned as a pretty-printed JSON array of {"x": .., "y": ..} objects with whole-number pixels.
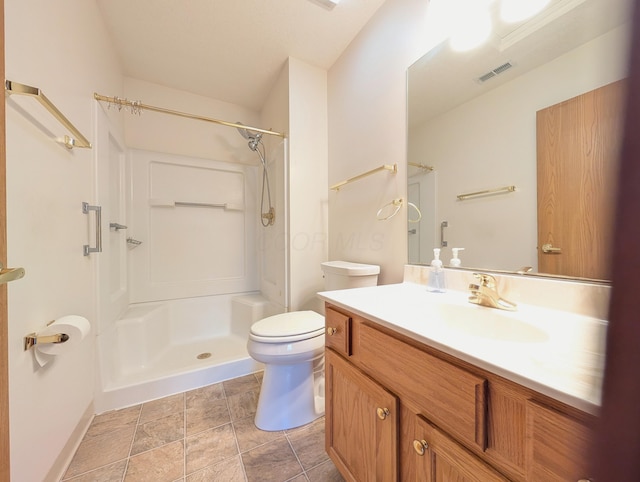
[{"x": 488, "y": 323}]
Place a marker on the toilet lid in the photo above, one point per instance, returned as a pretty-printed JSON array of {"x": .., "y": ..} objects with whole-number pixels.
[{"x": 289, "y": 324}]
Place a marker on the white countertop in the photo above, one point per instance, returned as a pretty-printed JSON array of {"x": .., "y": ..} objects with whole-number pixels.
[{"x": 557, "y": 353}]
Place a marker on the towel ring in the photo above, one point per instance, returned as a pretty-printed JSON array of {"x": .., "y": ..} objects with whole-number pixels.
[
  {"x": 417, "y": 210},
  {"x": 396, "y": 202}
]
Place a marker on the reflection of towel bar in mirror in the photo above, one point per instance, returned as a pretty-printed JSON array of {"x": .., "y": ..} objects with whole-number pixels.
[
  {"x": 385, "y": 167},
  {"x": 419, "y": 165},
  {"x": 172, "y": 204},
  {"x": 78, "y": 139},
  {"x": 487, "y": 192}
]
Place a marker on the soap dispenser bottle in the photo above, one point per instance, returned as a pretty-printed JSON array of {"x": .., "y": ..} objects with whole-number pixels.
[
  {"x": 455, "y": 261},
  {"x": 436, "y": 274}
]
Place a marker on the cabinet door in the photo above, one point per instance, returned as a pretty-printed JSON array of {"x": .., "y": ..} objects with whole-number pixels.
[
  {"x": 361, "y": 423},
  {"x": 438, "y": 458},
  {"x": 558, "y": 446}
]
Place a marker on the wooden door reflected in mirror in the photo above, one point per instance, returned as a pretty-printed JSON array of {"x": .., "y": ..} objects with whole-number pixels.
[{"x": 578, "y": 143}]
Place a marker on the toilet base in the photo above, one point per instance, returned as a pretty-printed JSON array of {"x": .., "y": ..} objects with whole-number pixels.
[{"x": 291, "y": 396}]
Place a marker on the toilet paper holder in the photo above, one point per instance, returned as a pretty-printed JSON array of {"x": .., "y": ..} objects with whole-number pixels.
[{"x": 33, "y": 339}]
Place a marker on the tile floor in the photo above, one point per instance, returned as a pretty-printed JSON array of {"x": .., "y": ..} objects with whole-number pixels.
[{"x": 196, "y": 436}]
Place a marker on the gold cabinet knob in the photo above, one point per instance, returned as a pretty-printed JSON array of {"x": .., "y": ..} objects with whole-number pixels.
[
  {"x": 382, "y": 413},
  {"x": 420, "y": 446},
  {"x": 331, "y": 330},
  {"x": 585, "y": 480}
]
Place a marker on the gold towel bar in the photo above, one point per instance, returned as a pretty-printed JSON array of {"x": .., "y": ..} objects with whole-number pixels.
[
  {"x": 384, "y": 167},
  {"x": 21, "y": 89},
  {"x": 487, "y": 192}
]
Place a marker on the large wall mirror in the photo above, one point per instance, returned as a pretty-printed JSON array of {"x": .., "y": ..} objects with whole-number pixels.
[{"x": 513, "y": 145}]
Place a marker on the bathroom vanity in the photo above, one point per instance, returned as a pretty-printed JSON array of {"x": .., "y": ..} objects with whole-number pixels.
[{"x": 412, "y": 401}]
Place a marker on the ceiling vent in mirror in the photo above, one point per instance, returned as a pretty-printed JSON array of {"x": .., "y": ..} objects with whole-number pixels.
[{"x": 492, "y": 73}]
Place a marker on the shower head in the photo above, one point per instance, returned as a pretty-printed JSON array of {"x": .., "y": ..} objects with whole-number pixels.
[
  {"x": 247, "y": 134},
  {"x": 251, "y": 136}
]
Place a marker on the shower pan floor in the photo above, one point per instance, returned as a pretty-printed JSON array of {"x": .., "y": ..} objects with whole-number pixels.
[{"x": 178, "y": 368}]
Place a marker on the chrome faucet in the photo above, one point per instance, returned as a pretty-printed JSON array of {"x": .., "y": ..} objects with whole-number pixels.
[{"x": 485, "y": 293}]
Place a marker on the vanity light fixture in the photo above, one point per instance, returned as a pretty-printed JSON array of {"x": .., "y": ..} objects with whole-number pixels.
[
  {"x": 471, "y": 30},
  {"x": 328, "y": 4},
  {"x": 517, "y": 10}
]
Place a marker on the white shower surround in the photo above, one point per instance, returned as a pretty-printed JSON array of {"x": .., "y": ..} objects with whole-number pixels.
[
  {"x": 178, "y": 313},
  {"x": 152, "y": 351}
]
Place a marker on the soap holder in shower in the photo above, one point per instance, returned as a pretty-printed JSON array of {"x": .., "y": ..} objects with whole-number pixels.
[{"x": 133, "y": 243}]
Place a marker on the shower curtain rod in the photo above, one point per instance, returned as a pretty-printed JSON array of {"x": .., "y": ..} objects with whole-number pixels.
[{"x": 136, "y": 106}]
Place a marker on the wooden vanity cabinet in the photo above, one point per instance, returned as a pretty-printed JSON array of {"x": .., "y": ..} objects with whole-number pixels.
[
  {"x": 430, "y": 455},
  {"x": 386, "y": 394},
  {"x": 363, "y": 418},
  {"x": 558, "y": 445}
]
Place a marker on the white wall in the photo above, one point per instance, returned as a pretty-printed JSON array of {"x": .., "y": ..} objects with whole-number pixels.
[
  {"x": 297, "y": 106},
  {"x": 367, "y": 128},
  {"x": 273, "y": 240},
  {"x": 307, "y": 182},
  {"x": 490, "y": 142},
  {"x": 154, "y": 131},
  {"x": 63, "y": 48}
]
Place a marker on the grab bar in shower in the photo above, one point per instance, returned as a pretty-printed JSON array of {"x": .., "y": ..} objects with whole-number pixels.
[
  {"x": 78, "y": 140},
  {"x": 171, "y": 204},
  {"x": 87, "y": 249}
]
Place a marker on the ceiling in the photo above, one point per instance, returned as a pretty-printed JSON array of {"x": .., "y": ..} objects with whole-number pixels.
[{"x": 230, "y": 50}]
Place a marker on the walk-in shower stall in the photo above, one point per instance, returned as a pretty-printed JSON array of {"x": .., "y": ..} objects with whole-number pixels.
[{"x": 195, "y": 257}]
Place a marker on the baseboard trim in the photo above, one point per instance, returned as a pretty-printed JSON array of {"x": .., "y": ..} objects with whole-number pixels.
[{"x": 63, "y": 460}]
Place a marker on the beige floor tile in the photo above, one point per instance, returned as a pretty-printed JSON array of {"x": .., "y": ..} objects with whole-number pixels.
[
  {"x": 249, "y": 436},
  {"x": 210, "y": 447},
  {"x": 197, "y": 436},
  {"x": 108, "y": 473},
  {"x": 326, "y": 472},
  {"x": 273, "y": 462},
  {"x": 240, "y": 385},
  {"x": 207, "y": 415},
  {"x": 308, "y": 444},
  {"x": 158, "y": 432},
  {"x": 162, "y": 464},
  {"x": 259, "y": 376},
  {"x": 101, "y": 450},
  {"x": 113, "y": 420},
  {"x": 229, "y": 470},
  {"x": 202, "y": 396},
  {"x": 243, "y": 405},
  {"x": 299, "y": 478},
  {"x": 161, "y": 408}
]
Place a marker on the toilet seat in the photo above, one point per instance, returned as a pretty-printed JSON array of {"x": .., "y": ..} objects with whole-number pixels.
[{"x": 288, "y": 327}]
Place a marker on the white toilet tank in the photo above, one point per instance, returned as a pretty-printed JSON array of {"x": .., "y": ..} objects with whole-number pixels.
[{"x": 340, "y": 275}]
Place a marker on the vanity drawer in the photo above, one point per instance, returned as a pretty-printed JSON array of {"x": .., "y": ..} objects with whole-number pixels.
[
  {"x": 444, "y": 393},
  {"x": 338, "y": 331}
]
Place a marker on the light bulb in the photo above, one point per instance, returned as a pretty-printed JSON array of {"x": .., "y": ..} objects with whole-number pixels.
[
  {"x": 517, "y": 10},
  {"x": 471, "y": 30}
]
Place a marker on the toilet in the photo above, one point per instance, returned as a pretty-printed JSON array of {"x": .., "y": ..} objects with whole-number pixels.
[{"x": 291, "y": 346}]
